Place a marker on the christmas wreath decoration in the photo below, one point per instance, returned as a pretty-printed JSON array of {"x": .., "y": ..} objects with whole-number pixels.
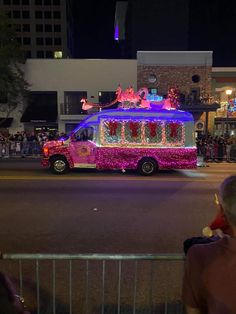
[{"x": 133, "y": 126}]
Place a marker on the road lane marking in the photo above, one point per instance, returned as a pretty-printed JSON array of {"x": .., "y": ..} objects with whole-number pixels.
[{"x": 63, "y": 178}]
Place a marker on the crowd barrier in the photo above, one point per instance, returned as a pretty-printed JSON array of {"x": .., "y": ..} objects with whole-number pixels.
[{"x": 98, "y": 283}]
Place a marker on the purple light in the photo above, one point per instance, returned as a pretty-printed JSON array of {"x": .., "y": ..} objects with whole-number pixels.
[{"x": 116, "y": 35}]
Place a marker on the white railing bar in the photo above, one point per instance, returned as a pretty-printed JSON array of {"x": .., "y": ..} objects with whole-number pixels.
[
  {"x": 135, "y": 286},
  {"x": 39, "y": 256},
  {"x": 54, "y": 286},
  {"x": 37, "y": 286},
  {"x": 70, "y": 285},
  {"x": 119, "y": 285},
  {"x": 20, "y": 277},
  {"x": 103, "y": 284},
  {"x": 87, "y": 286}
]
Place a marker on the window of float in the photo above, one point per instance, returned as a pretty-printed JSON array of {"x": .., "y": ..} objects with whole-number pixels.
[
  {"x": 174, "y": 134},
  {"x": 145, "y": 133},
  {"x": 111, "y": 132}
]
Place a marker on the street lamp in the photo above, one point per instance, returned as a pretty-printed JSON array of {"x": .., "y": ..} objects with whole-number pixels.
[{"x": 228, "y": 92}]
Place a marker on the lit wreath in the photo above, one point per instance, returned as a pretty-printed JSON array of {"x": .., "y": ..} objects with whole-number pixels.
[{"x": 83, "y": 151}]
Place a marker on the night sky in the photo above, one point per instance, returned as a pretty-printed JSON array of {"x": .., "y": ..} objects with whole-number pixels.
[
  {"x": 212, "y": 26},
  {"x": 95, "y": 29}
]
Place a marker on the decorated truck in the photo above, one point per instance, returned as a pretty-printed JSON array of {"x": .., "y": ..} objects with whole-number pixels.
[{"x": 144, "y": 139}]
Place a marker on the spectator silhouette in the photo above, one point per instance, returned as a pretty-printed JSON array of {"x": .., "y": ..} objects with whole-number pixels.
[{"x": 209, "y": 282}]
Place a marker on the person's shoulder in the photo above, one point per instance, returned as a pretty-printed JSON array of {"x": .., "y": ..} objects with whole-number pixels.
[{"x": 208, "y": 249}]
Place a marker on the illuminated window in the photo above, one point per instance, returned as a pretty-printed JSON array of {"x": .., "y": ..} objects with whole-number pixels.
[{"x": 57, "y": 54}]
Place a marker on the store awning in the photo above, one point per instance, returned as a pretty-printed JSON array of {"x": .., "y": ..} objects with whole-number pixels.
[
  {"x": 42, "y": 107},
  {"x": 5, "y": 122},
  {"x": 200, "y": 107}
]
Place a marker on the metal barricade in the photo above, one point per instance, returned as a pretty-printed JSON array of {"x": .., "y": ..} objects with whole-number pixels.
[{"x": 98, "y": 283}]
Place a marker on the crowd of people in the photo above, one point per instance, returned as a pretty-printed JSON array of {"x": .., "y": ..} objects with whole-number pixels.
[
  {"x": 211, "y": 148},
  {"x": 216, "y": 148},
  {"x": 25, "y": 144}
]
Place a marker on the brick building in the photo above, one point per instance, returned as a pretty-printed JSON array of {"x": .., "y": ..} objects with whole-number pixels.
[{"x": 190, "y": 71}]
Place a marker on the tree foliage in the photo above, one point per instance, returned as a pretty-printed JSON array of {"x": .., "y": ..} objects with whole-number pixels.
[{"x": 13, "y": 86}]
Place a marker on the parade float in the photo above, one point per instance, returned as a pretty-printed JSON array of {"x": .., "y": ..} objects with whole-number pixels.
[{"x": 141, "y": 134}]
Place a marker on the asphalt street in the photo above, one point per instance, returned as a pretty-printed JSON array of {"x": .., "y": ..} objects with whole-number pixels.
[{"x": 104, "y": 212}]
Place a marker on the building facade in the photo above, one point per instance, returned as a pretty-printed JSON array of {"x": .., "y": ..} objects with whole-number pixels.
[
  {"x": 44, "y": 28},
  {"x": 224, "y": 89},
  {"x": 57, "y": 87}
]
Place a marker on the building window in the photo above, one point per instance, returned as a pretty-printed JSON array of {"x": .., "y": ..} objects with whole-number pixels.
[
  {"x": 57, "y": 54},
  {"x": 16, "y": 14},
  {"x": 38, "y": 14},
  {"x": 40, "y": 54},
  {"x": 48, "y": 41},
  {"x": 26, "y": 27},
  {"x": 48, "y": 14},
  {"x": 38, "y": 2},
  {"x": 7, "y": 2},
  {"x": 3, "y": 97},
  {"x": 47, "y": 2},
  {"x": 107, "y": 97},
  {"x": 48, "y": 28},
  {"x": 39, "y": 41},
  {"x": 25, "y": 2},
  {"x": 196, "y": 78},
  {"x": 18, "y": 39},
  {"x": 27, "y": 54},
  {"x": 49, "y": 54},
  {"x": 57, "y": 28},
  {"x": 56, "y": 14},
  {"x": 72, "y": 103},
  {"x": 56, "y": 2},
  {"x": 17, "y": 27},
  {"x": 26, "y": 41},
  {"x": 8, "y": 14},
  {"x": 152, "y": 78},
  {"x": 39, "y": 28},
  {"x": 57, "y": 41},
  {"x": 25, "y": 14},
  {"x": 16, "y": 2}
]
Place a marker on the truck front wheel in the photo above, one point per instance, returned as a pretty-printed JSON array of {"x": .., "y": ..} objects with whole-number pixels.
[
  {"x": 59, "y": 165},
  {"x": 147, "y": 166}
]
